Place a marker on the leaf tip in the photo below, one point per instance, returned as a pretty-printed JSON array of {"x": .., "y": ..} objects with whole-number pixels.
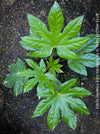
[
  {"x": 87, "y": 113},
  {"x": 52, "y": 128},
  {"x": 28, "y": 15},
  {"x": 27, "y": 60},
  {"x": 33, "y": 116},
  {"x": 5, "y": 82},
  {"x": 73, "y": 127},
  {"x": 89, "y": 93},
  {"x": 16, "y": 94},
  {"x": 25, "y": 90},
  {"x": 82, "y": 17},
  {"x": 55, "y": 3}
]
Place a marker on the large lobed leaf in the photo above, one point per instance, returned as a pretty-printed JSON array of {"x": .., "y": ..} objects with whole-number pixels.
[
  {"x": 13, "y": 80},
  {"x": 38, "y": 75},
  {"x": 63, "y": 101},
  {"x": 84, "y": 57},
  {"x": 41, "y": 42}
]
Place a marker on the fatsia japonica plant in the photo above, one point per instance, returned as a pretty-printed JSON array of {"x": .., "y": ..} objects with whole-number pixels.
[{"x": 62, "y": 99}]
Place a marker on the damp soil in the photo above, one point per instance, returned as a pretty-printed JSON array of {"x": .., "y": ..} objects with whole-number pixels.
[{"x": 16, "y": 112}]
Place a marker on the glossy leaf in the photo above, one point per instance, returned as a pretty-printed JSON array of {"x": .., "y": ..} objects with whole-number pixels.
[
  {"x": 27, "y": 73},
  {"x": 50, "y": 76},
  {"x": 60, "y": 101},
  {"x": 68, "y": 115},
  {"x": 43, "y": 106},
  {"x": 90, "y": 45},
  {"x": 77, "y": 92},
  {"x": 72, "y": 28},
  {"x": 42, "y": 66},
  {"x": 13, "y": 80},
  {"x": 31, "y": 41},
  {"x": 89, "y": 59},
  {"x": 10, "y": 80},
  {"x": 42, "y": 92},
  {"x": 44, "y": 41},
  {"x": 32, "y": 63},
  {"x": 30, "y": 84},
  {"x": 73, "y": 43},
  {"x": 32, "y": 33},
  {"x": 38, "y": 74},
  {"x": 18, "y": 86},
  {"x": 64, "y": 52},
  {"x": 27, "y": 47},
  {"x": 78, "y": 105},
  {"x": 77, "y": 67},
  {"x": 41, "y": 53},
  {"x": 85, "y": 58},
  {"x": 54, "y": 114},
  {"x": 67, "y": 85},
  {"x": 37, "y": 26},
  {"x": 55, "y": 18}
]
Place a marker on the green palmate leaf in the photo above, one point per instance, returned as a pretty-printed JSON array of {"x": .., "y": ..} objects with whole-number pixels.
[
  {"x": 12, "y": 80},
  {"x": 50, "y": 85},
  {"x": 54, "y": 66},
  {"x": 44, "y": 41},
  {"x": 38, "y": 74},
  {"x": 60, "y": 101},
  {"x": 85, "y": 58}
]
